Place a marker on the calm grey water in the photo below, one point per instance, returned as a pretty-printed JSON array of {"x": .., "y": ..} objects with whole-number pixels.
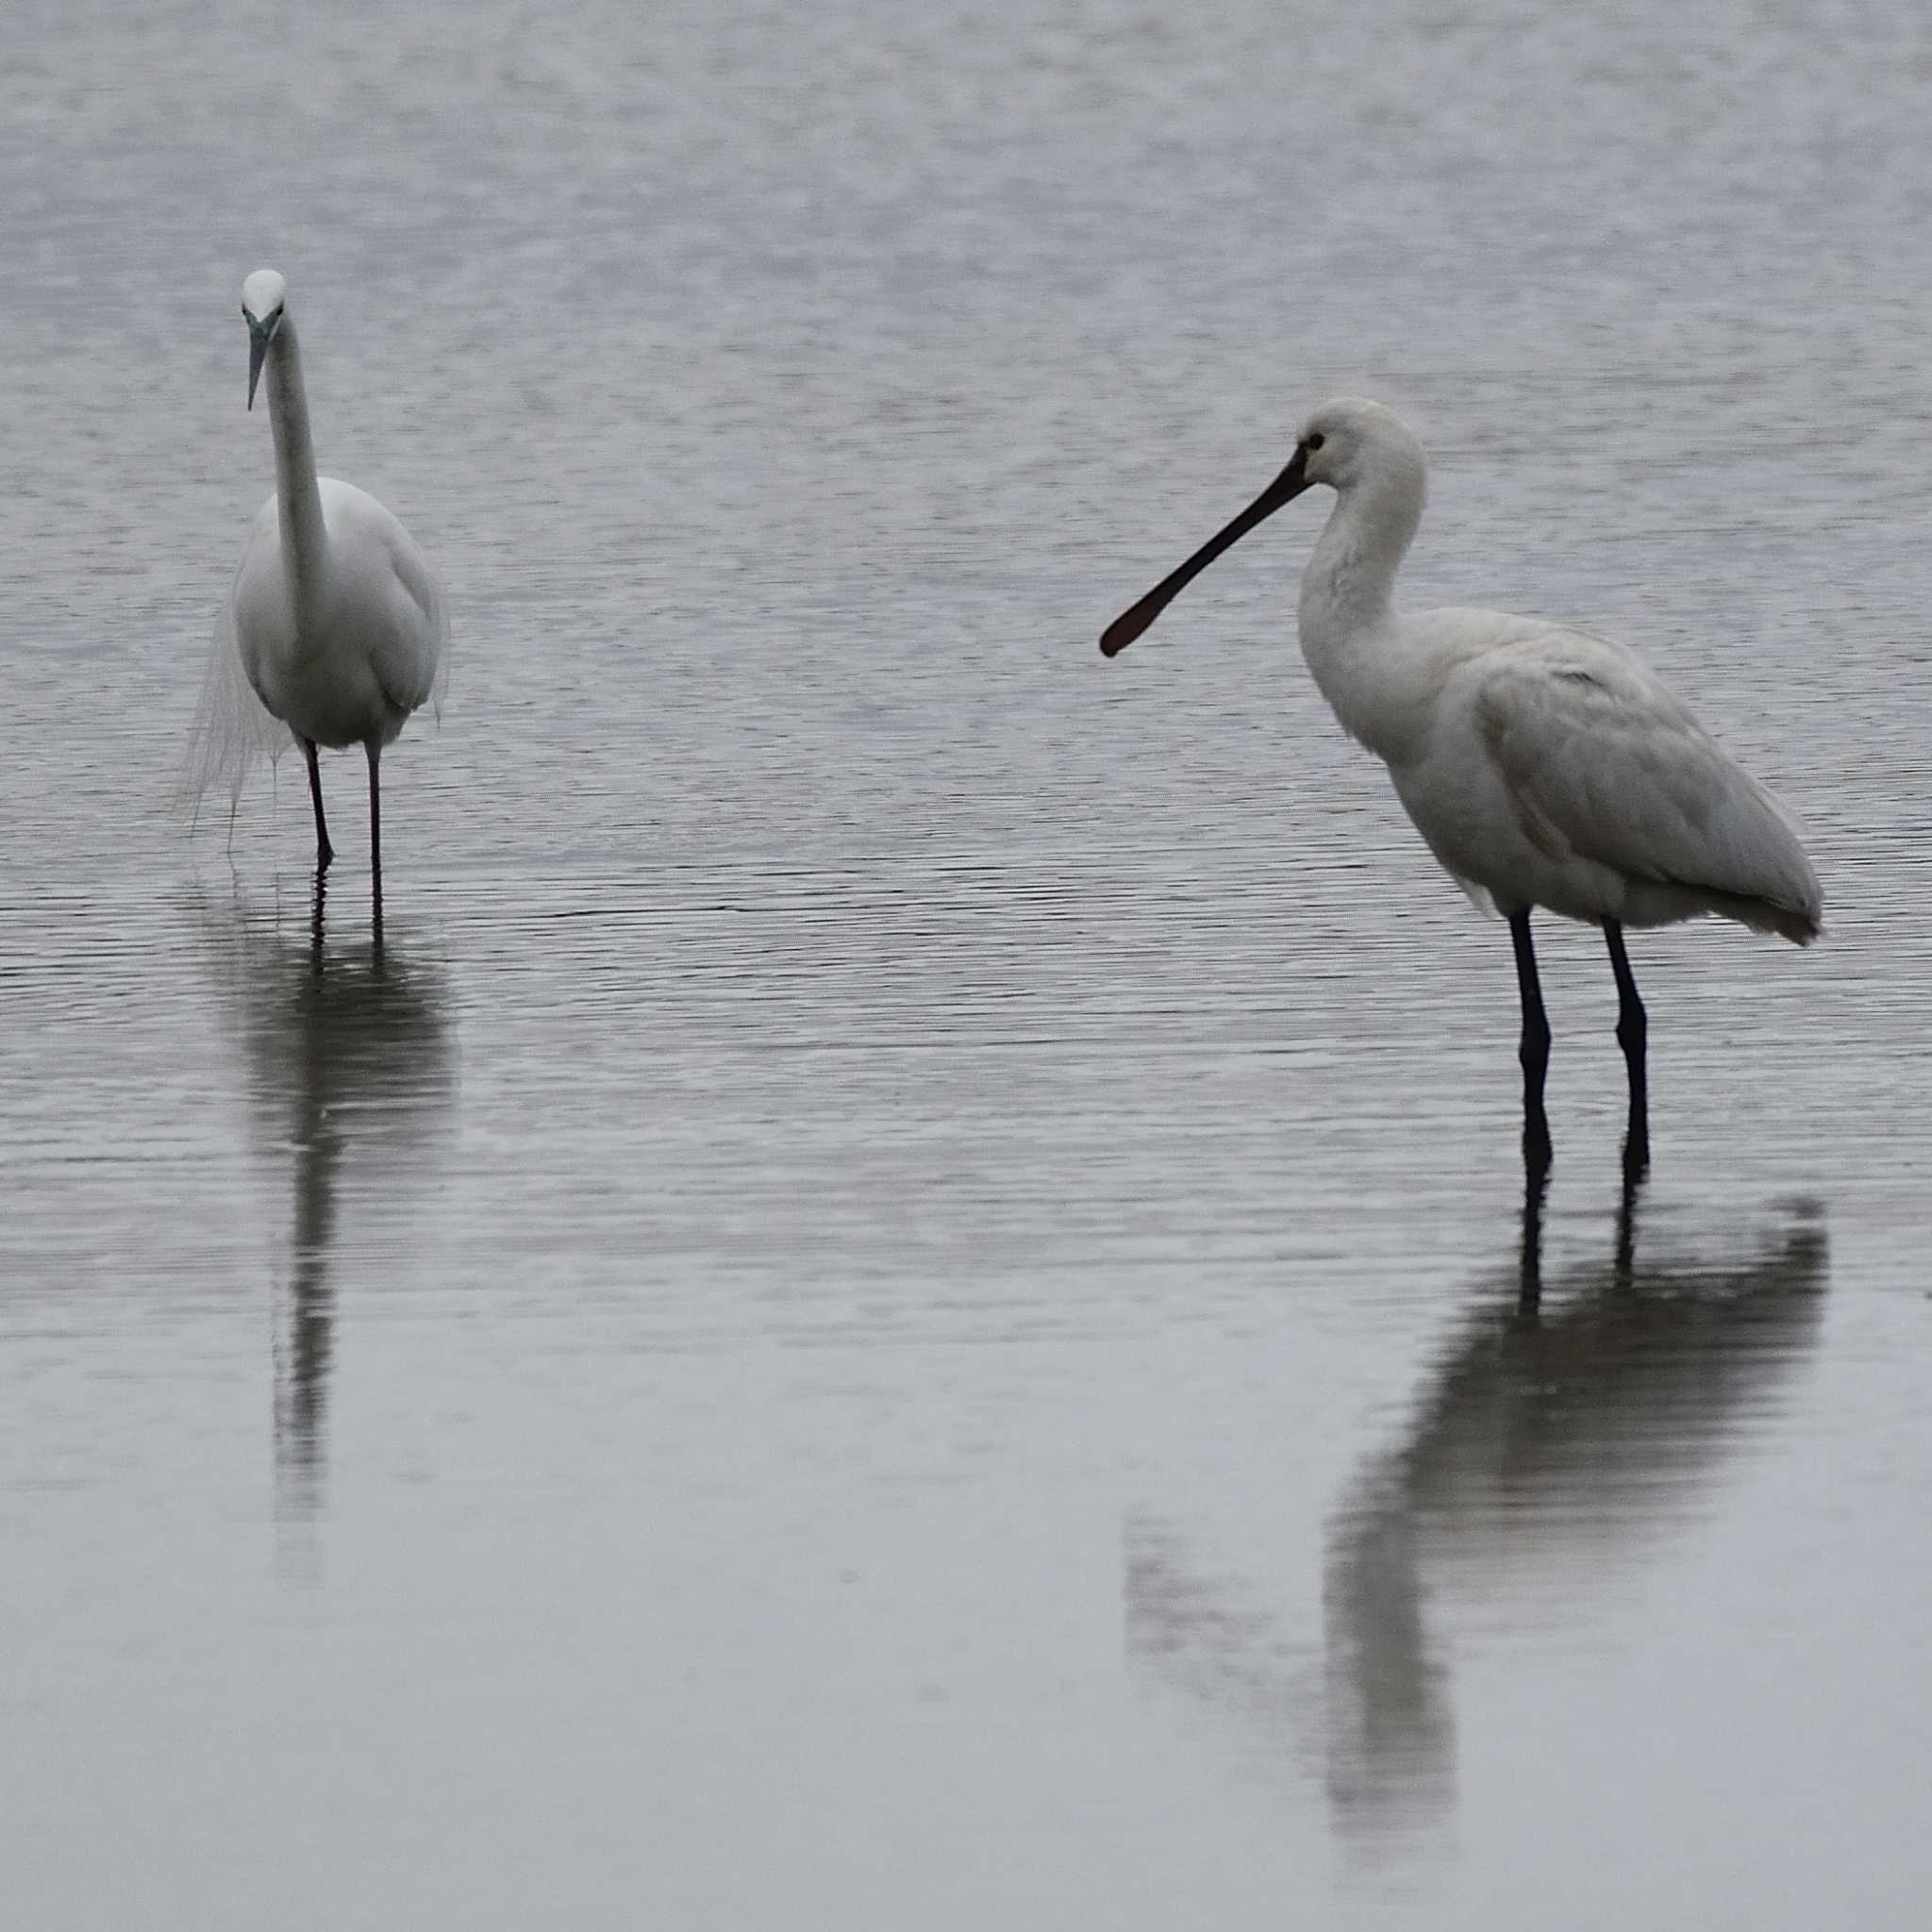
[{"x": 896, "y": 1303}]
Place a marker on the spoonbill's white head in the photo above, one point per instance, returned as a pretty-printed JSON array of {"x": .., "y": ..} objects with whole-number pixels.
[
  {"x": 1353, "y": 441},
  {"x": 1347, "y": 444},
  {"x": 265, "y": 295}
]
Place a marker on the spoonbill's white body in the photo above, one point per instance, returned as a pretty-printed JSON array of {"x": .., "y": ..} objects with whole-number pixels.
[
  {"x": 336, "y": 629},
  {"x": 1544, "y": 766}
]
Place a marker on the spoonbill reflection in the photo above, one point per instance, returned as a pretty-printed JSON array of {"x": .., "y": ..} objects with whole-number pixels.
[
  {"x": 1544, "y": 766},
  {"x": 1564, "y": 1432},
  {"x": 336, "y": 629}
]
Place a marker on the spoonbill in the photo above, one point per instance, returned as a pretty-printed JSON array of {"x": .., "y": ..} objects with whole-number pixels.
[
  {"x": 1544, "y": 766},
  {"x": 335, "y": 629}
]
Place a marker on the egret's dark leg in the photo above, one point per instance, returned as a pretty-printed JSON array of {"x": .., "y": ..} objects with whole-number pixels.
[
  {"x": 1534, "y": 1052},
  {"x": 375, "y": 830},
  {"x": 1632, "y": 1029},
  {"x": 323, "y": 850}
]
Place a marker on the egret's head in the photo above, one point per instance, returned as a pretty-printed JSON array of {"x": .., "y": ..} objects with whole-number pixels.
[{"x": 263, "y": 296}]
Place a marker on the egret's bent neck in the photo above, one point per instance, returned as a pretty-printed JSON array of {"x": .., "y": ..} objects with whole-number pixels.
[
  {"x": 298, "y": 498},
  {"x": 1349, "y": 584}
]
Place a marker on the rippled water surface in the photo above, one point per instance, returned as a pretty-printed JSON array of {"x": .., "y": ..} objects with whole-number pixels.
[{"x": 900, "y": 1298}]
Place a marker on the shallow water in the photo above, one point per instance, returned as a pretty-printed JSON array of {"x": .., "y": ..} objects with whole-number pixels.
[{"x": 899, "y": 1298}]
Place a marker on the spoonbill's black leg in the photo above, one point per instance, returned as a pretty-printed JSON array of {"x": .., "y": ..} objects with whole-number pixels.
[
  {"x": 1633, "y": 1027},
  {"x": 1529, "y": 1279},
  {"x": 1534, "y": 1052},
  {"x": 1627, "y": 1224},
  {"x": 376, "y": 831},
  {"x": 323, "y": 850}
]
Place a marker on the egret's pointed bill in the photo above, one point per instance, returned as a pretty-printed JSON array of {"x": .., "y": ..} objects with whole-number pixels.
[
  {"x": 1133, "y": 621},
  {"x": 257, "y": 352}
]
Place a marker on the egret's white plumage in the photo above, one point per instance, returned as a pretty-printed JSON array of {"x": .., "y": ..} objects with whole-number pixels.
[
  {"x": 1543, "y": 765},
  {"x": 335, "y": 629}
]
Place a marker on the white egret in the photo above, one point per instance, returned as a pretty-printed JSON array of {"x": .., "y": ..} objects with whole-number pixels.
[
  {"x": 335, "y": 629},
  {"x": 1544, "y": 766}
]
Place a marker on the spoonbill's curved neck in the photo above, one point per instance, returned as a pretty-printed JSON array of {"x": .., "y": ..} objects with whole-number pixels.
[
  {"x": 298, "y": 497},
  {"x": 1349, "y": 584}
]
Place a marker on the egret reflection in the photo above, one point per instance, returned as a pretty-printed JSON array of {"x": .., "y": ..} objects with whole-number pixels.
[
  {"x": 349, "y": 1061},
  {"x": 1574, "y": 1416}
]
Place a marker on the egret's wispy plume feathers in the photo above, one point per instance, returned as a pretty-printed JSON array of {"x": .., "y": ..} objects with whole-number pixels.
[{"x": 233, "y": 730}]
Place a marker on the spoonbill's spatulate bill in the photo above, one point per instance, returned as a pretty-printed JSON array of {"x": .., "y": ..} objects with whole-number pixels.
[
  {"x": 335, "y": 629},
  {"x": 1542, "y": 766}
]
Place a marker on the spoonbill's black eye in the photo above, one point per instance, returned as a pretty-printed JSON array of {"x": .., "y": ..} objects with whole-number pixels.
[{"x": 1315, "y": 442}]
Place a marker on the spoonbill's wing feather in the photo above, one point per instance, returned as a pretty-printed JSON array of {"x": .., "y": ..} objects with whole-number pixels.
[
  {"x": 232, "y": 727},
  {"x": 1603, "y": 762}
]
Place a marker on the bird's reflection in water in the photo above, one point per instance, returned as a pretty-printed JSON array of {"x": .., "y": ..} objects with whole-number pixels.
[
  {"x": 350, "y": 1063},
  {"x": 1569, "y": 1417},
  {"x": 1219, "y": 1640}
]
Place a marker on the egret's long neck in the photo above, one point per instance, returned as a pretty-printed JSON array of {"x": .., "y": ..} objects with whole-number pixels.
[
  {"x": 1349, "y": 584},
  {"x": 298, "y": 497}
]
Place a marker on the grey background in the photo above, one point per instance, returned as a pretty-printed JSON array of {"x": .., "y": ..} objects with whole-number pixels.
[{"x": 893, "y": 1307}]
